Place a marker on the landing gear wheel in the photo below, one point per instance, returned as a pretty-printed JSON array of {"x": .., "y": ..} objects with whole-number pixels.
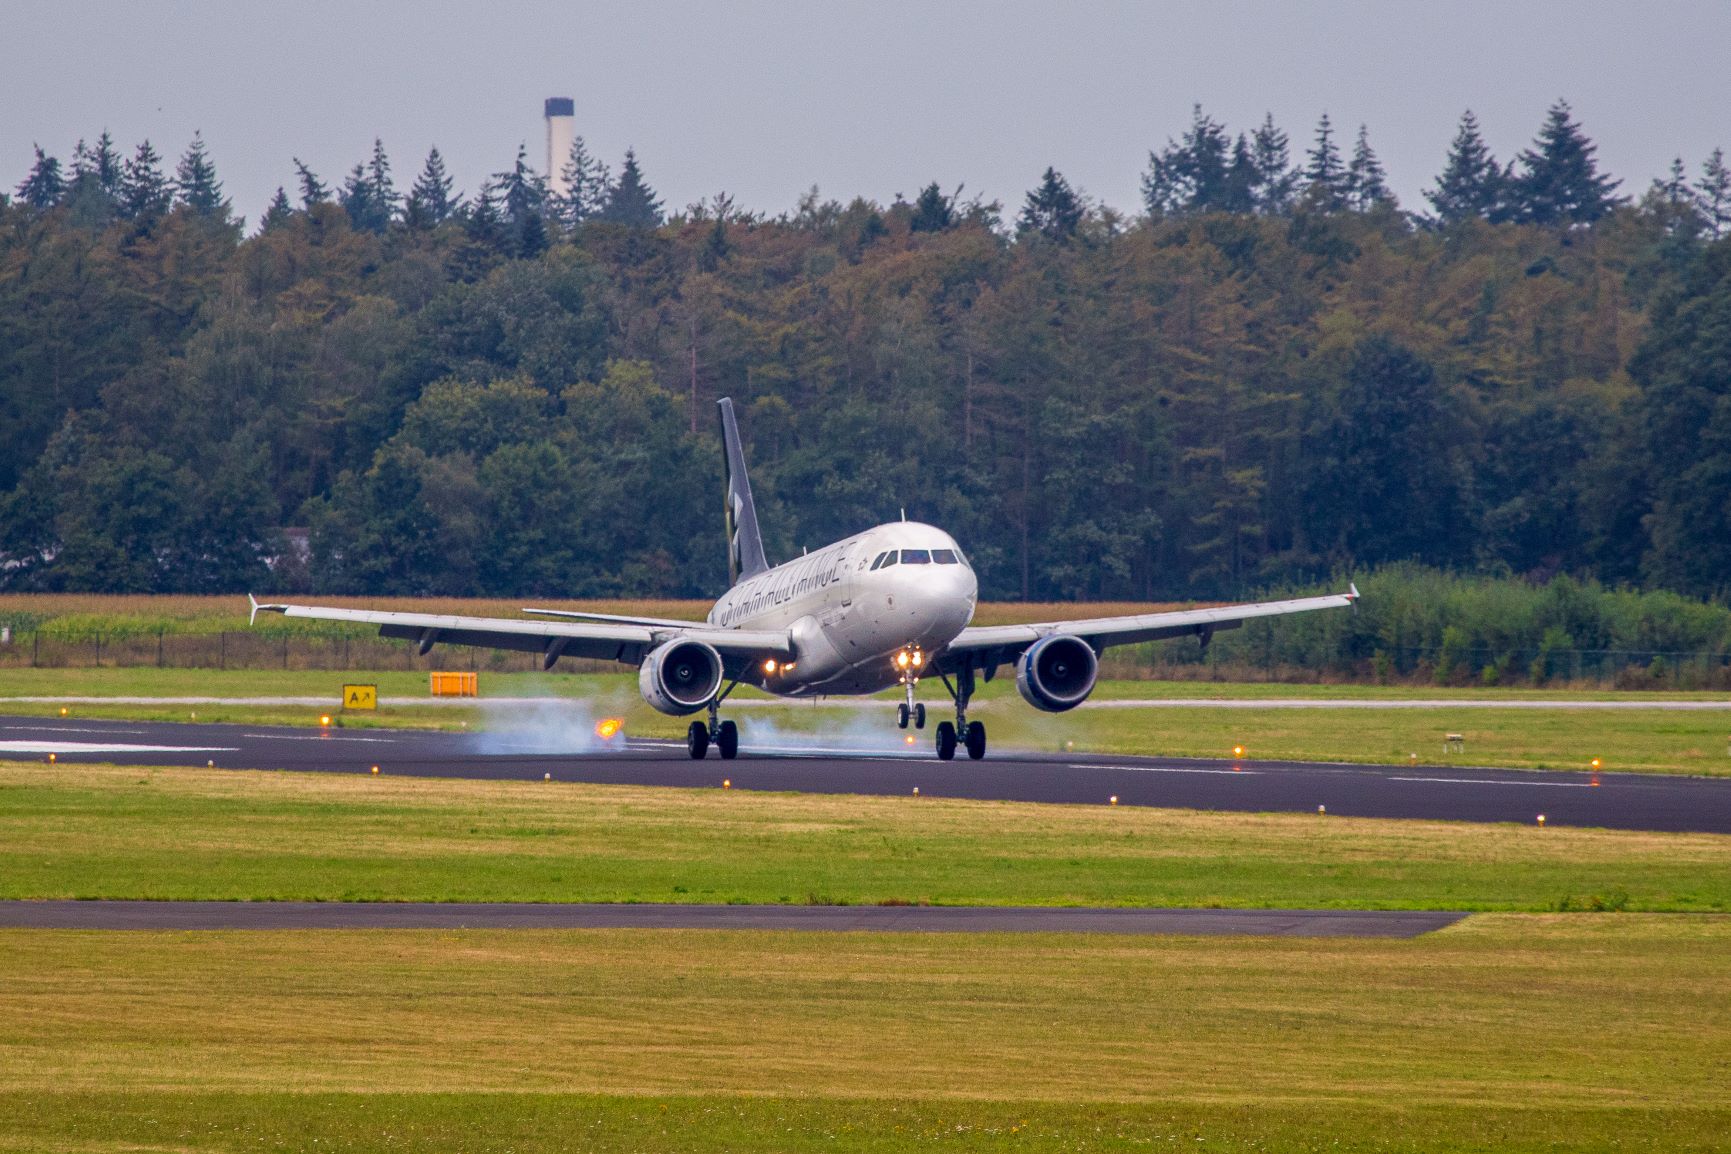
[
  {"x": 946, "y": 741},
  {"x": 697, "y": 740},
  {"x": 976, "y": 740},
  {"x": 901, "y": 717},
  {"x": 920, "y": 715},
  {"x": 727, "y": 740}
]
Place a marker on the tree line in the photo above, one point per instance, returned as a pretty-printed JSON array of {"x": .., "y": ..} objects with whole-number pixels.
[{"x": 1271, "y": 374}]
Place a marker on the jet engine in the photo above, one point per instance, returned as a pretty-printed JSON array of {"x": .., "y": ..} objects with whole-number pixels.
[
  {"x": 1057, "y": 673},
  {"x": 680, "y": 677}
]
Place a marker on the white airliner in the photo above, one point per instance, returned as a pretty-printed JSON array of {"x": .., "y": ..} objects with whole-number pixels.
[{"x": 882, "y": 608}]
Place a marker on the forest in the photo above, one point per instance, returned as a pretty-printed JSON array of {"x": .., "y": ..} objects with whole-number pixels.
[{"x": 1271, "y": 374}]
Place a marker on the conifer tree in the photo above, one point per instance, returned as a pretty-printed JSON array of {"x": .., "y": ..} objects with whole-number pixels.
[
  {"x": 1471, "y": 182},
  {"x": 1713, "y": 194},
  {"x": 1276, "y": 182},
  {"x": 631, "y": 201},
  {"x": 523, "y": 204},
  {"x": 1323, "y": 175},
  {"x": 356, "y": 198},
  {"x": 587, "y": 183},
  {"x": 385, "y": 197},
  {"x": 1190, "y": 174},
  {"x": 1560, "y": 183},
  {"x": 44, "y": 187},
  {"x": 933, "y": 211},
  {"x": 313, "y": 190},
  {"x": 1366, "y": 183},
  {"x": 1052, "y": 210},
  {"x": 106, "y": 164},
  {"x": 195, "y": 182},
  {"x": 145, "y": 192},
  {"x": 430, "y": 202},
  {"x": 278, "y": 212}
]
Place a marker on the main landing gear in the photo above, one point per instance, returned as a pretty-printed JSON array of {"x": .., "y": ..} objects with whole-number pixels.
[
  {"x": 970, "y": 734},
  {"x": 723, "y": 734}
]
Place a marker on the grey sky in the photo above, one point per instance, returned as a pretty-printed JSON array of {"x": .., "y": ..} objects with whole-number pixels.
[{"x": 765, "y": 99}]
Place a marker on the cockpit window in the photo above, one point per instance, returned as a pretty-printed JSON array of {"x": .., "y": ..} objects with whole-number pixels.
[
  {"x": 916, "y": 557},
  {"x": 889, "y": 558},
  {"x": 944, "y": 556},
  {"x": 879, "y": 562}
]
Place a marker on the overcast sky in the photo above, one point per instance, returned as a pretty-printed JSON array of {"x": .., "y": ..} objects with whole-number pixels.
[{"x": 765, "y": 99}]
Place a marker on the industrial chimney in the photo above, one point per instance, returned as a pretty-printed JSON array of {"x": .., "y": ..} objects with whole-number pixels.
[{"x": 561, "y": 131}]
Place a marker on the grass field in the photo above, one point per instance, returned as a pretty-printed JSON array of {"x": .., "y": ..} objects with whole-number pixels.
[
  {"x": 95, "y": 831},
  {"x": 1509, "y": 1031}
]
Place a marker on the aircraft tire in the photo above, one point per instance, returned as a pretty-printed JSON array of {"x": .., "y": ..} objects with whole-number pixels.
[
  {"x": 697, "y": 740},
  {"x": 727, "y": 740},
  {"x": 976, "y": 739},
  {"x": 946, "y": 741},
  {"x": 920, "y": 715},
  {"x": 902, "y": 716}
]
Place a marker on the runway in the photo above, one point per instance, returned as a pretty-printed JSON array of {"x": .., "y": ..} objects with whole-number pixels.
[
  {"x": 145, "y": 915},
  {"x": 1454, "y": 793}
]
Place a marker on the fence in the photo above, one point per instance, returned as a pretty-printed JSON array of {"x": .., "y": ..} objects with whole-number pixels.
[{"x": 251, "y": 650}]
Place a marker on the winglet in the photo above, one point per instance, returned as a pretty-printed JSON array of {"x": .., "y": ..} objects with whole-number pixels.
[
  {"x": 252, "y": 618},
  {"x": 1353, "y": 587}
]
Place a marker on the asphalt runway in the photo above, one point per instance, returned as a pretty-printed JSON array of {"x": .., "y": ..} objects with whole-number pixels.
[
  {"x": 145, "y": 915},
  {"x": 1453, "y": 793}
]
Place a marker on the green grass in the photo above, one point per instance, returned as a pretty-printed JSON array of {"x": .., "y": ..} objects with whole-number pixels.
[
  {"x": 101, "y": 831},
  {"x": 1507, "y": 1032}
]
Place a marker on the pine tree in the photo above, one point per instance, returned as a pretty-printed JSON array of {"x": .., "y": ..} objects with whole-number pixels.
[
  {"x": 523, "y": 202},
  {"x": 313, "y": 190},
  {"x": 1323, "y": 175},
  {"x": 1560, "y": 181},
  {"x": 1471, "y": 183},
  {"x": 430, "y": 202},
  {"x": 1190, "y": 174},
  {"x": 933, "y": 211},
  {"x": 44, "y": 187},
  {"x": 1276, "y": 182},
  {"x": 1052, "y": 210},
  {"x": 195, "y": 182},
  {"x": 1713, "y": 194},
  {"x": 586, "y": 182},
  {"x": 106, "y": 164},
  {"x": 278, "y": 212},
  {"x": 356, "y": 198},
  {"x": 631, "y": 201},
  {"x": 1366, "y": 183},
  {"x": 386, "y": 200},
  {"x": 145, "y": 192},
  {"x": 1241, "y": 178}
]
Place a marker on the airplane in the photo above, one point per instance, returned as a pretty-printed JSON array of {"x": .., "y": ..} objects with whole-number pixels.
[{"x": 882, "y": 608}]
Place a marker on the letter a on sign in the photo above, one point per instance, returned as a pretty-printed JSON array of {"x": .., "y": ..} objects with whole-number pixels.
[{"x": 360, "y": 697}]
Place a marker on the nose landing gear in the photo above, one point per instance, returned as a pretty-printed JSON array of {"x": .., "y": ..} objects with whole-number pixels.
[
  {"x": 909, "y": 662},
  {"x": 970, "y": 734}
]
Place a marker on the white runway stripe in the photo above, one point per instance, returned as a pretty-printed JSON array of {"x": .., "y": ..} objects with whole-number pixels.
[{"x": 105, "y": 747}]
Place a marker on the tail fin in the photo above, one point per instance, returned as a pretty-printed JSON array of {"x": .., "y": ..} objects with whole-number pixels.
[{"x": 744, "y": 545}]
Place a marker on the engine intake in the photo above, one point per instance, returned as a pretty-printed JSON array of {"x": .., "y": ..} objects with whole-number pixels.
[
  {"x": 680, "y": 677},
  {"x": 1057, "y": 673}
]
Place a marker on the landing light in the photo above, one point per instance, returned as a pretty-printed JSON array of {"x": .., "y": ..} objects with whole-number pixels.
[
  {"x": 902, "y": 660},
  {"x": 769, "y": 667},
  {"x": 608, "y": 727},
  {"x": 918, "y": 657}
]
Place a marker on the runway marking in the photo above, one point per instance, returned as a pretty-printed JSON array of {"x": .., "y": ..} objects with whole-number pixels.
[
  {"x": 1172, "y": 769},
  {"x": 70, "y": 729},
  {"x": 1491, "y": 781},
  {"x": 105, "y": 747},
  {"x": 320, "y": 737}
]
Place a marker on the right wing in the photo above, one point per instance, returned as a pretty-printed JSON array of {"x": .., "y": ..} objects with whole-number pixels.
[{"x": 620, "y": 641}]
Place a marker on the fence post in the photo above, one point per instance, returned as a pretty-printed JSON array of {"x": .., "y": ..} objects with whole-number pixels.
[
  {"x": 159, "y": 649},
  {"x": 222, "y": 650},
  {"x": 99, "y": 651},
  {"x": 35, "y": 647}
]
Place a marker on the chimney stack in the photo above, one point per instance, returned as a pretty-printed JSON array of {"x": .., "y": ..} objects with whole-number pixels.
[{"x": 561, "y": 131}]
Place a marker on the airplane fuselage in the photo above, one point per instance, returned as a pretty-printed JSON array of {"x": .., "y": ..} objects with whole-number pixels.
[{"x": 851, "y": 609}]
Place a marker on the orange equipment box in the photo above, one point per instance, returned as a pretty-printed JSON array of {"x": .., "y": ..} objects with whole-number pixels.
[{"x": 456, "y": 685}]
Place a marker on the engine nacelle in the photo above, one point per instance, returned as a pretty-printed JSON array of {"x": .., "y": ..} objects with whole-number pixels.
[
  {"x": 1057, "y": 673},
  {"x": 680, "y": 677}
]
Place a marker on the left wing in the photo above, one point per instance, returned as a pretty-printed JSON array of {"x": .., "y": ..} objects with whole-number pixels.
[
  {"x": 626, "y": 642},
  {"x": 988, "y": 646}
]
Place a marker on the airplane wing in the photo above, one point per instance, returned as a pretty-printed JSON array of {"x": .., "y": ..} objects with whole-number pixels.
[
  {"x": 581, "y": 615},
  {"x": 604, "y": 641},
  {"x": 987, "y": 646}
]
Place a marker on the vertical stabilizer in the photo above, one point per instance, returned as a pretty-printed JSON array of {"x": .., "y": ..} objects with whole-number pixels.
[{"x": 744, "y": 544}]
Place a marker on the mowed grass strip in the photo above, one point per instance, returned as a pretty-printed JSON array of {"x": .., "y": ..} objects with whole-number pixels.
[
  {"x": 1565, "y": 1012},
  {"x": 79, "y": 831},
  {"x": 523, "y": 1123}
]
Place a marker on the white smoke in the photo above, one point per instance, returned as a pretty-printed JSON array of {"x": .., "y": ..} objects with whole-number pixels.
[{"x": 548, "y": 725}]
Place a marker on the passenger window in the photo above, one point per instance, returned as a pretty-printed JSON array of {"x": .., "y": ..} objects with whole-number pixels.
[
  {"x": 916, "y": 557},
  {"x": 878, "y": 564},
  {"x": 944, "y": 556}
]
